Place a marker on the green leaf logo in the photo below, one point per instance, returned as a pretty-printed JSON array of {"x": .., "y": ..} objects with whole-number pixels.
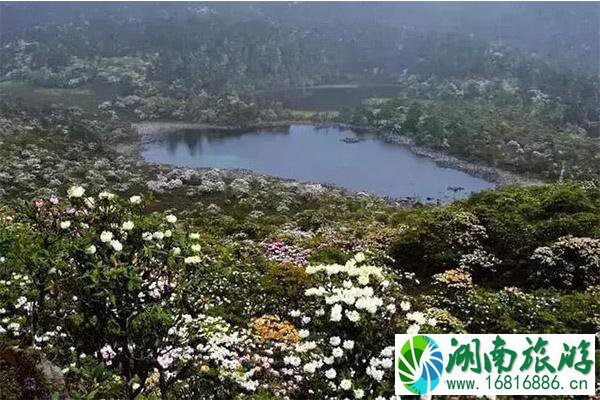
[{"x": 420, "y": 364}]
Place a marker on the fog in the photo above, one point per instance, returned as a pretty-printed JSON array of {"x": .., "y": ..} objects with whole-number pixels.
[{"x": 564, "y": 29}]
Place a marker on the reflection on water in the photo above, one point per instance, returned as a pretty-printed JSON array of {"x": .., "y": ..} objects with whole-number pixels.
[{"x": 343, "y": 157}]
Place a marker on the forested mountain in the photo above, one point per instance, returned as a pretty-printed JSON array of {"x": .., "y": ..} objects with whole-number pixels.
[
  {"x": 296, "y": 40},
  {"x": 566, "y": 30}
]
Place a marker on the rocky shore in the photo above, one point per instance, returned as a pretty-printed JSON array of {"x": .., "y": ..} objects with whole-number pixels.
[{"x": 491, "y": 174}]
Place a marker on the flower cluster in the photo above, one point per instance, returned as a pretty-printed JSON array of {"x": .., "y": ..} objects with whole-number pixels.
[
  {"x": 281, "y": 252},
  {"x": 340, "y": 353},
  {"x": 466, "y": 232},
  {"x": 571, "y": 263},
  {"x": 114, "y": 264},
  {"x": 479, "y": 260},
  {"x": 158, "y": 305}
]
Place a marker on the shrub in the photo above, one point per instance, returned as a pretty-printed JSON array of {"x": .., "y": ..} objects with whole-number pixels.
[
  {"x": 100, "y": 285},
  {"x": 571, "y": 263}
]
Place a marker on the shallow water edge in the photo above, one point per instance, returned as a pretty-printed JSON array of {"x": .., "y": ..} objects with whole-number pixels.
[{"x": 150, "y": 131}]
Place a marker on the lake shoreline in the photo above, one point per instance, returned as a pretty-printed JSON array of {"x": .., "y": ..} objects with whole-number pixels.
[
  {"x": 491, "y": 174},
  {"x": 329, "y": 86},
  {"x": 150, "y": 131}
]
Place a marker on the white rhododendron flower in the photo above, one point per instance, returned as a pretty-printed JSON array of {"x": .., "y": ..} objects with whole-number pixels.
[
  {"x": 330, "y": 373},
  {"x": 194, "y": 236},
  {"x": 106, "y": 236},
  {"x": 417, "y": 316},
  {"x": 346, "y": 384},
  {"x": 336, "y": 313},
  {"x": 353, "y": 316},
  {"x": 303, "y": 333},
  {"x": 20, "y": 302},
  {"x": 292, "y": 360},
  {"x": 337, "y": 352},
  {"x": 75, "y": 191},
  {"x": 127, "y": 225},
  {"x": 106, "y": 195},
  {"x": 196, "y": 248},
  {"x": 116, "y": 245},
  {"x": 361, "y": 294},
  {"x": 192, "y": 260},
  {"x": 135, "y": 199},
  {"x": 65, "y": 224},
  {"x": 171, "y": 218},
  {"x": 91, "y": 249},
  {"x": 359, "y": 257},
  {"x": 310, "y": 368}
]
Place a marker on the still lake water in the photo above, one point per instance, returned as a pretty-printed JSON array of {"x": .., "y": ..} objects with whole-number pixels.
[{"x": 317, "y": 154}]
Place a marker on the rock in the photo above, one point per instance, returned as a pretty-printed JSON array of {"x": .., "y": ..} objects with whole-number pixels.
[{"x": 52, "y": 374}]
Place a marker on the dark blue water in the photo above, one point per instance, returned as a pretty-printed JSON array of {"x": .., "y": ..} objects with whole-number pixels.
[{"x": 316, "y": 154}]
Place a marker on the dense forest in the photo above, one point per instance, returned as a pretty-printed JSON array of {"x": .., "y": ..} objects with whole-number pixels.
[{"x": 123, "y": 279}]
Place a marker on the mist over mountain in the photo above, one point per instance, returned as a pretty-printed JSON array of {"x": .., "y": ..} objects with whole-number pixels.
[{"x": 559, "y": 29}]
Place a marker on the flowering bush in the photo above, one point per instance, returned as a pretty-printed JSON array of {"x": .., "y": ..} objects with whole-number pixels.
[
  {"x": 281, "y": 252},
  {"x": 570, "y": 263},
  {"x": 112, "y": 295},
  {"x": 127, "y": 303},
  {"x": 346, "y": 347},
  {"x": 131, "y": 303},
  {"x": 98, "y": 277},
  {"x": 439, "y": 239}
]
